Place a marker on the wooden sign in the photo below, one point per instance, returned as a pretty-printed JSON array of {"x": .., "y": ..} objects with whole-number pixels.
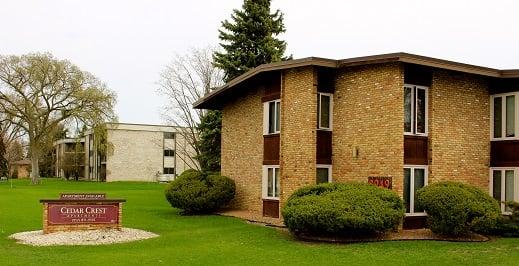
[
  {"x": 381, "y": 181},
  {"x": 81, "y": 211}
]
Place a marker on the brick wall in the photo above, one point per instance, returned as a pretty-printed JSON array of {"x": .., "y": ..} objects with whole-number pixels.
[
  {"x": 459, "y": 128},
  {"x": 368, "y": 116},
  {"x": 298, "y": 129},
  {"x": 242, "y": 148}
]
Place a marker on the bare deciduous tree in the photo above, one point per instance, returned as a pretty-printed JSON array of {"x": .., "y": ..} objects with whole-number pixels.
[
  {"x": 39, "y": 92},
  {"x": 187, "y": 78}
]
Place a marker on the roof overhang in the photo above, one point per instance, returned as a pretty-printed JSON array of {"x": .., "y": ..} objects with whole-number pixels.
[{"x": 207, "y": 101}]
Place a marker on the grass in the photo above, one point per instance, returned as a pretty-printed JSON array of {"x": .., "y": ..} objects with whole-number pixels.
[{"x": 209, "y": 240}]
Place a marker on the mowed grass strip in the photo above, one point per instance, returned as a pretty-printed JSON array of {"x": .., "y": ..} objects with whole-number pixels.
[{"x": 210, "y": 240}]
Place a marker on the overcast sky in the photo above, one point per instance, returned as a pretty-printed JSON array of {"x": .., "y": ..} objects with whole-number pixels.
[{"x": 127, "y": 43}]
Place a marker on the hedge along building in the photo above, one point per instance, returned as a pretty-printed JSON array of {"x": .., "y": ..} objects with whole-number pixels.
[
  {"x": 135, "y": 152},
  {"x": 403, "y": 118}
]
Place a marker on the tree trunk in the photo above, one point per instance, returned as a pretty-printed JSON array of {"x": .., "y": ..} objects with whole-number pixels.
[{"x": 35, "y": 168}]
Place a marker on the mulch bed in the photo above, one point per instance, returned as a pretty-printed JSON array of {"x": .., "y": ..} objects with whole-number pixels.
[{"x": 416, "y": 234}]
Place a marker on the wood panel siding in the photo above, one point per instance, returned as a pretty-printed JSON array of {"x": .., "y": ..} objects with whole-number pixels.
[
  {"x": 325, "y": 80},
  {"x": 415, "y": 222},
  {"x": 271, "y": 149},
  {"x": 271, "y": 208},
  {"x": 504, "y": 153},
  {"x": 416, "y": 150},
  {"x": 272, "y": 84},
  {"x": 417, "y": 75},
  {"x": 324, "y": 147},
  {"x": 503, "y": 85}
]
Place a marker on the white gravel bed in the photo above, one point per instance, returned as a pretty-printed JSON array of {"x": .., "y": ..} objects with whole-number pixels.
[{"x": 90, "y": 237}]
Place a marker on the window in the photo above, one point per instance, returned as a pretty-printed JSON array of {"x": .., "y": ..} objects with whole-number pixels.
[
  {"x": 169, "y": 135},
  {"x": 324, "y": 110},
  {"x": 504, "y": 113},
  {"x": 323, "y": 174},
  {"x": 271, "y": 117},
  {"x": 415, "y": 110},
  {"x": 415, "y": 177},
  {"x": 169, "y": 170},
  {"x": 271, "y": 182},
  {"x": 169, "y": 153},
  {"x": 503, "y": 182}
]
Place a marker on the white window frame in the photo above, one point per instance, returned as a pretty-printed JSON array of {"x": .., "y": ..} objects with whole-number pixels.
[
  {"x": 503, "y": 185},
  {"x": 503, "y": 116},
  {"x": 411, "y": 193},
  {"x": 329, "y": 167},
  {"x": 264, "y": 183},
  {"x": 330, "y": 111},
  {"x": 414, "y": 121},
  {"x": 266, "y": 117}
]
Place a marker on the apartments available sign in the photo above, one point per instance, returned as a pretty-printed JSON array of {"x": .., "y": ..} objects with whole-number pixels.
[
  {"x": 83, "y": 214},
  {"x": 381, "y": 181}
]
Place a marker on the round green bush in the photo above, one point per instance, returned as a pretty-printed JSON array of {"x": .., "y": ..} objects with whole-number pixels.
[
  {"x": 342, "y": 209},
  {"x": 454, "y": 208},
  {"x": 195, "y": 192}
]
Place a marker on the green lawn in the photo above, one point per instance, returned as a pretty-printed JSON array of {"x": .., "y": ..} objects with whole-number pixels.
[{"x": 210, "y": 239}]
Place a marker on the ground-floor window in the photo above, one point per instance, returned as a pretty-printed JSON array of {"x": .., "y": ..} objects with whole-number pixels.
[
  {"x": 169, "y": 170},
  {"x": 503, "y": 185},
  {"x": 323, "y": 173},
  {"x": 271, "y": 182},
  {"x": 415, "y": 177}
]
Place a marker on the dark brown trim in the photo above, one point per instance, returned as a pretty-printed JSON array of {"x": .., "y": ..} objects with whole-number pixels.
[
  {"x": 271, "y": 149},
  {"x": 416, "y": 150},
  {"x": 271, "y": 97},
  {"x": 324, "y": 147},
  {"x": 504, "y": 153},
  {"x": 415, "y": 222},
  {"x": 271, "y": 208}
]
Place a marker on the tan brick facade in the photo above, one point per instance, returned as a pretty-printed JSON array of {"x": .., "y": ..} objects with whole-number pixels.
[
  {"x": 368, "y": 117},
  {"x": 298, "y": 130},
  {"x": 459, "y": 128},
  {"x": 242, "y": 149}
]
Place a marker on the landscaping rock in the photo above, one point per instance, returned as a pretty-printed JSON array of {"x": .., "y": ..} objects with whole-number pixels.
[{"x": 91, "y": 237}]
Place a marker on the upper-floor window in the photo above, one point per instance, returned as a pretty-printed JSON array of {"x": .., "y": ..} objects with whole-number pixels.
[
  {"x": 271, "y": 117},
  {"x": 169, "y": 170},
  {"x": 415, "y": 110},
  {"x": 324, "y": 110},
  {"x": 503, "y": 185},
  {"x": 169, "y": 153},
  {"x": 169, "y": 135},
  {"x": 504, "y": 113}
]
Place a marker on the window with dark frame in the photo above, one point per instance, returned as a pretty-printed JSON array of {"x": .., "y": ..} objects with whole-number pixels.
[
  {"x": 169, "y": 170},
  {"x": 169, "y": 135},
  {"x": 169, "y": 153}
]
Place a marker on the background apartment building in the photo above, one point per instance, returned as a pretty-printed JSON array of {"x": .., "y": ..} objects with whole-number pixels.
[{"x": 134, "y": 152}]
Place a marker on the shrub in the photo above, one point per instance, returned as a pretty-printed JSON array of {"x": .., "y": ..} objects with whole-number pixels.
[
  {"x": 508, "y": 225},
  {"x": 195, "y": 192},
  {"x": 342, "y": 209},
  {"x": 454, "y": 208}
]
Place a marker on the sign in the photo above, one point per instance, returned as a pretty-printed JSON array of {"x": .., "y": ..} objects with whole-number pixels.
[
  {"x": 82, "y": 196},
  {"x": 381, "y": 181},
  {"x": 83, "y": 214}
]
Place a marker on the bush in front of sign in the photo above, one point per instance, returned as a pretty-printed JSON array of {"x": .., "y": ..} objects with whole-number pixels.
[
  {"x": 195, "y": 192},
  {"x": 342, "y": 209},
  {"x": 454, "y": 208}
]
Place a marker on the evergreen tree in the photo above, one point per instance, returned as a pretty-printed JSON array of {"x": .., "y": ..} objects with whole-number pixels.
[{"x": 250, "y": 39}]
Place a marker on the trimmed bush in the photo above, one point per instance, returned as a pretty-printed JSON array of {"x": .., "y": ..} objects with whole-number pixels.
[
  {"x": 508, "y": 226},
  {"x": 454, "y": 208},
  {"x": 195, "y": 192},
  {"x": 342, "y": 209}
]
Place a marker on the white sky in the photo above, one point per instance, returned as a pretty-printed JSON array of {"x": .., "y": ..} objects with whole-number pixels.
[{"x": 127, "y": 43}]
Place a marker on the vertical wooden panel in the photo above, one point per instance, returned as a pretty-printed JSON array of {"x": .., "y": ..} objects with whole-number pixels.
[
  {"x": 324, "y": 147},
  {"x": 416, "y": 150},
  {"x": 504, "y": 153},
  {"x": 271, "y": 208},
  {"x": 271, "y": 149},
  {"x": 415, "y": 222}
]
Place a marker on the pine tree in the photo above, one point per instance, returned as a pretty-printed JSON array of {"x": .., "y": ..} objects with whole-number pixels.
[{"x": 250, "y": 39}]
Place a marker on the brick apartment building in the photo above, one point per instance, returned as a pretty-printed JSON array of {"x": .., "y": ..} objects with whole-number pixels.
[
  {"x": 402, "y": 119},
  {"x": 138, "y": 152}
]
